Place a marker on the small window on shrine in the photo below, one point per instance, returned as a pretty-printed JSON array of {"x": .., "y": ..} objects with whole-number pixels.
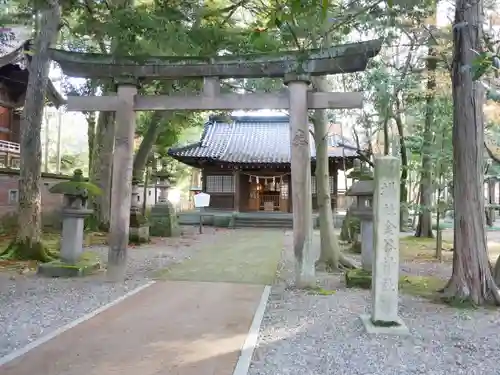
[
  {"x": 13, "y": 196},
  {"x": 227, "y": 184},
  {"x": 314, "y": 186},
  {"x": 15, "y": 163},
  {"x": 220, "y": 184}
]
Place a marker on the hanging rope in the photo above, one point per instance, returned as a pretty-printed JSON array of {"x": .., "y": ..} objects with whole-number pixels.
[
  {"x": 262, "y": 177},
  {"x": 275, "y": 180}
]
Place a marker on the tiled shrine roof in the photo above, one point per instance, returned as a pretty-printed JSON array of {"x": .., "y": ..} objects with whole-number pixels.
[
  {"x": 14, "y": 60},
  {"x": 253, "y": 140}
]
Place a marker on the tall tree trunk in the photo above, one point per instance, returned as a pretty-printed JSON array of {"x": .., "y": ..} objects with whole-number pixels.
[
  {"x": 424, "y": 227},
  {"x": 385, "y": 127},
  {"x": 403, "y": 198},
  {"x": 330, "y": 255},
  {"x": 148, "y": 141},
  {"x": 471, "y": 278},
  {"x": 101, "y": 168},
  {"x": 91, "y": 128},
  {"x": 27, "y": 244},
  {"x": 104, "y": 142}
]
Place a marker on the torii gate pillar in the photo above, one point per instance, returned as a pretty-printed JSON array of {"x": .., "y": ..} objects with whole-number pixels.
[
  {"x": 121, "y": 190},
  {"x": 305, "y": 256}
]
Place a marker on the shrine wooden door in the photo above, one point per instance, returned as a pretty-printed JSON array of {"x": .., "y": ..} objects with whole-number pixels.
[{"x": 254, "y": 198}]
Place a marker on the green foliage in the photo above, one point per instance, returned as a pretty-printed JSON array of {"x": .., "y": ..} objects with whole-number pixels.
[
  {"x": 69, "y": 162},
  {"x": 485, "y": 63}
]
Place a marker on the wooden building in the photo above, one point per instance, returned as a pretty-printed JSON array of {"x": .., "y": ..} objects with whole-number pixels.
[
  {"x": 13, "y": 83},
  {"x": 245, "y": 163}
]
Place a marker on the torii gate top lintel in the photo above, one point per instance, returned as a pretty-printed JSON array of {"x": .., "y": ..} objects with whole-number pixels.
[{"x": 345, "y": 58}]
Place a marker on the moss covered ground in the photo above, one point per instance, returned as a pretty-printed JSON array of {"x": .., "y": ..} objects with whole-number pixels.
[{"x": 243, "y": 256}]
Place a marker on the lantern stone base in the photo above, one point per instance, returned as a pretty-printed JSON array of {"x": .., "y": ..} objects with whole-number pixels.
[
  {"x": 60, "y": 269},
  {"x": 164, "y": 221},
  {"x": 139, "y": 234},
  {"x": 396, "y": 328},
  {"x": 358, "y": 279},
  {"x": 138, "y": 229}
]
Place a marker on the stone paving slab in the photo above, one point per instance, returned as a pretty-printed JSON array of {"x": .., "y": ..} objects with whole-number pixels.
[{"x": 170, "y": 328}]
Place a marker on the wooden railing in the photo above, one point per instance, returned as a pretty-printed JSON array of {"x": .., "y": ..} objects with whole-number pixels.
[
  {"x": 6, "y": 146},
  {"x": 269, "y": 202}
]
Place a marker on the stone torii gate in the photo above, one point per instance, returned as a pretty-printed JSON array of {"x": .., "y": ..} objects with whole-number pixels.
[{"x": 295, "y": 68}]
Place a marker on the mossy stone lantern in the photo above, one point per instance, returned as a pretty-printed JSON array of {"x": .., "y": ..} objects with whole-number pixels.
[
  {"x": 75, "y": 192},
  {"x": 164, "y": 221},
  {"x": 363, "y": 191}
]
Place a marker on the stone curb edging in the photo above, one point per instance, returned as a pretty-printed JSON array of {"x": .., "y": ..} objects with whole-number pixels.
[{"x": 245, "y": 359}]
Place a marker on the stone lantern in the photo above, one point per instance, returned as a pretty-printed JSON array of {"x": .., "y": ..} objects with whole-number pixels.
[
  {"x": 363, "y": 209},
  {"x": 75, "y": 196},
  {"x": 139, "y": 226},
  {"x": 164, "y": 221},
  {"x": 163, "y": 184}
]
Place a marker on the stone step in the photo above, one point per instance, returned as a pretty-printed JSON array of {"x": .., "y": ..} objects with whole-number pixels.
[{"x": 263, "y": 223}]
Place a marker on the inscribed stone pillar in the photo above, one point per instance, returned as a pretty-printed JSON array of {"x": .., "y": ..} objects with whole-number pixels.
[
  {"x": 305, "y": 255},
  {"x": 385, "y": 274},
  {"x": 122, "y": 181}
]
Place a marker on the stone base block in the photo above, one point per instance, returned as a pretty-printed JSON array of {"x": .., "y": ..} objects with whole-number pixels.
[
  {"x": 358, "y": 279},
  {"x": 398, "y": 329},
  {"x": 139, "y": 234},
  {"x": 61, "y": 269},
  {"x": 163, "y": 221}
]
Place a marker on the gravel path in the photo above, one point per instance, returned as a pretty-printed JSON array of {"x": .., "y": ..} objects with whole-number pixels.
[
  {"x": 32, "y": 306},
  {"x": 310, "y": 334}
]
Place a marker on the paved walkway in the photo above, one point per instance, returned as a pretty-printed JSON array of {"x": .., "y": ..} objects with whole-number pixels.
[
  {"x": 194, "y": 321},
  {"x": 170, "y": 328}
]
